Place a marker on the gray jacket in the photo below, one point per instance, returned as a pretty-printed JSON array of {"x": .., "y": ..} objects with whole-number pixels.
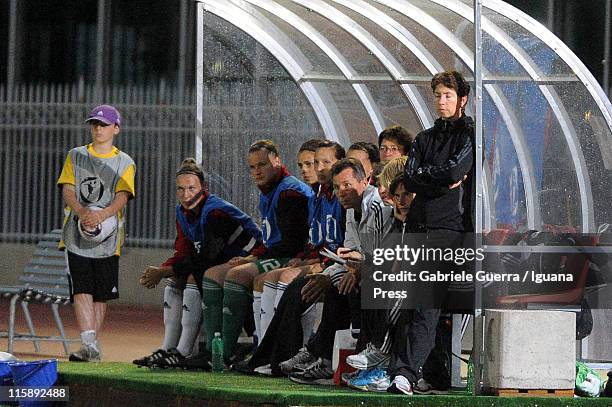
[{"x": 376, "y": 221}]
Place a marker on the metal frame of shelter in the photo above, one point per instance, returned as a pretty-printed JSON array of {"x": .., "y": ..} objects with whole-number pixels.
[{"x": 486, "y": 18}]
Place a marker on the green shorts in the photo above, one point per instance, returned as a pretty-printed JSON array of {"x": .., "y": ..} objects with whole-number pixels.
[{"x": 263, "y": 266}]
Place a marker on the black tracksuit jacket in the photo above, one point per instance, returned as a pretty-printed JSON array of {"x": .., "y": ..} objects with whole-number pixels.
[{"x": 441, "y": 156}]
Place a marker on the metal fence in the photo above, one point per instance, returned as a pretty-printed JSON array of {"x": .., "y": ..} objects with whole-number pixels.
[{"x": 39, "y": 123}]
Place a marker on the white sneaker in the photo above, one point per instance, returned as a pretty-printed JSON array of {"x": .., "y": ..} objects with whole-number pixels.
[
  {"x": 400, "y": 385},
  {"x": 369, "y": 358}
]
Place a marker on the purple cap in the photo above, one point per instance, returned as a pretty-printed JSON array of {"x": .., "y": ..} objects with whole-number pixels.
[{"x": 106, "y": 114}]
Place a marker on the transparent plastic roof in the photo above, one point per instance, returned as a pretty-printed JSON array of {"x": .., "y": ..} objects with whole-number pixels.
[{"x": 362, "y": 65}]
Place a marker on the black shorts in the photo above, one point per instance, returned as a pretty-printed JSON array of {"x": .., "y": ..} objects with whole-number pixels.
[{"x": 96, "y": 276}]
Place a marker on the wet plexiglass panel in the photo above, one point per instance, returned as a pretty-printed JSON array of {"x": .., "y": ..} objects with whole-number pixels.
[
  {"x": 248, "y": 96},
  {"x": 357, "y": 55},
  {"x": 496, "y": 59},
  {"x": 451, "y": 20},
  {"x": 321, "y": 63},
  {"x": 358, "y": 124},
  {"x": 545, "y": 58},
  {"x": 596, "y": 144},
  {"x": 399, "y": 52},
  {"x": 553, "y": 167},
  {"x": 394, "y": 105},
  {"x": 506, "y": 185},
  {"x": 443, "y": 56},
  {"x": 498, "y": 63},
  {"x": 425, "y": 90},
  {"x": 235, "y": 53}
]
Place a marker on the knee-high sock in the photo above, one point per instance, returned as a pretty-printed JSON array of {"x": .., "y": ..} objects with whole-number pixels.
[
  {"x": 308, "y": 319},
  {"x": 235, "y": 298},
  {"x": 257, "y": 313},
  {"x": 192, "y": 315},
  {"x": 267, "y": 306},
  {"x": 200, "y": 341},
  {"x": 173, "y": 302},
  {"x": 212, "y": 309},
  {"x": 280, "y": 290}
]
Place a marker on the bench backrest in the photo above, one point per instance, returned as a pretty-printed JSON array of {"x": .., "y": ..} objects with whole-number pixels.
[{"x": 47, "y": 270}]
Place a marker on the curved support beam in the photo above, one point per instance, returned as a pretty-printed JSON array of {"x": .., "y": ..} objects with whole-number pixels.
[
  {"x": 296, "y": 64},
  {"x": 401, "y": 33},
  {"x": 199, "y": 81},
  {"x": 378, "y": 119},
  {"x": 327, "y": 48},
  {"x": 445, "y": 35},
  {"x": 407, "y": 39},
  {"x": 550, "y": 94},
  {"x": 419, "y": 104},
  {"x": 487, "y": 199},
  {"x": 394, "y": 68}
]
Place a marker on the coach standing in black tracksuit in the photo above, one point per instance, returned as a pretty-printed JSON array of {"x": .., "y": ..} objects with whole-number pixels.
[{"x": 439, "y": 171}]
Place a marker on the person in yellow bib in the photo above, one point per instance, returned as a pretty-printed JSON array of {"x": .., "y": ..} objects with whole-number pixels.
[{"x": 97, "y": 181}]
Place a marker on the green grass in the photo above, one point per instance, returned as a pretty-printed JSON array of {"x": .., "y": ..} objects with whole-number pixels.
[{"x": 279, "y": 391}]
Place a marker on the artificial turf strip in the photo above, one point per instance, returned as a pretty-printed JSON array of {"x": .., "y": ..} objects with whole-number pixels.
[{"x": 278, "y": 391}]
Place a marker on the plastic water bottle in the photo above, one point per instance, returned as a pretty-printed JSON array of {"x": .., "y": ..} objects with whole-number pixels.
[
  {"x": 470, "y": 376},
  {"x": 217, "y": 353}
]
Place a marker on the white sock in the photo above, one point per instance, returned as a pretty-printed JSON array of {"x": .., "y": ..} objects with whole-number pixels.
[
  {"x": 173, "y": 303},
  {"x": 308, "y": 319},
  {"x": 267, "y": 306},
  {"x": 88, "y": 338},
  {"x": 257, "y": 313},
  {"x": 190, "y": 321},
  {"x": 280, "y": 290}
]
